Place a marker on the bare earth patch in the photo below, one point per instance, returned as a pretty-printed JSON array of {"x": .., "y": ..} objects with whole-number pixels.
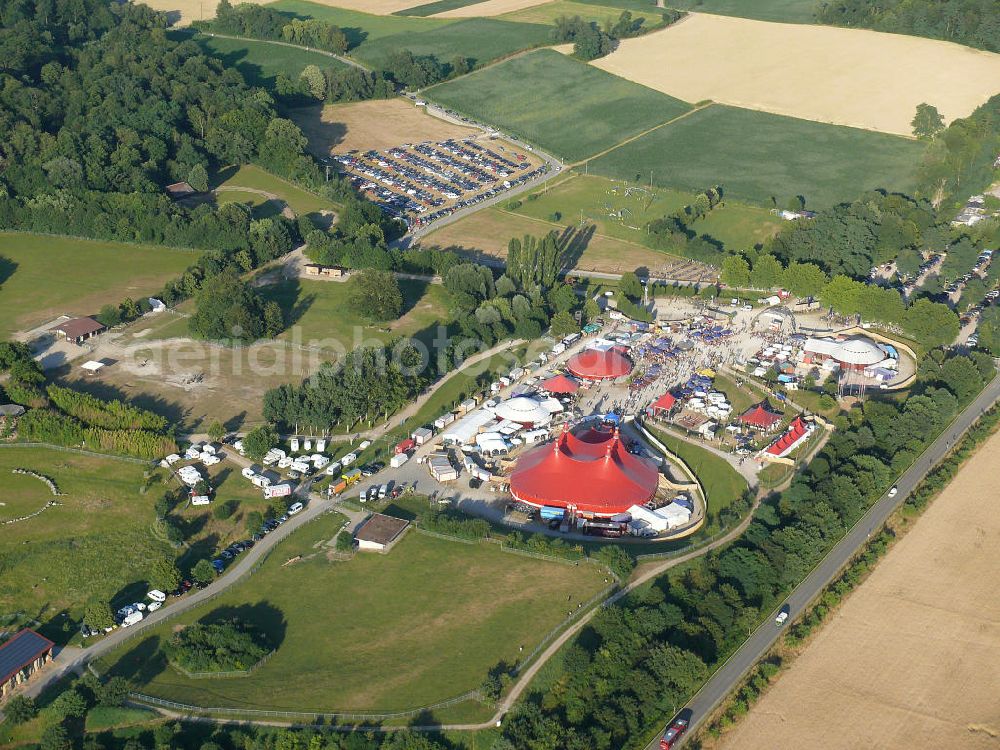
[
  {"x": 376, "y": 124},
  {"x": 489, "y": 8},
  {"x": 912, "y": 658},
  {"x": 864, "y": 79}
]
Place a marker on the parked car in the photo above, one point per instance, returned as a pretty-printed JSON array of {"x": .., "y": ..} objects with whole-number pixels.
[
  {"x": 154, "y": 606},
  {"x": 295, "y": 508},
  {"x": 894, "y": 491},
  {"x": 782, "y": 616}
]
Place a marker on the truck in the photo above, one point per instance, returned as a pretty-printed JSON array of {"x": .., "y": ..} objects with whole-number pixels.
[
  {"x": 277, "y": 490},
  {"x": 339, "y": 487},
  {"x": 405, "y": 446},
  {"x": 132, "y": 618}
]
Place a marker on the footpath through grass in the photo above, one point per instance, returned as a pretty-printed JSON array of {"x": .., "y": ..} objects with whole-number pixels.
[
  {"x": 565, "y": 106},
  {"x": 261, "y": 62},
  {"x": 42, "y": 277},
  {"x": 376, "y": 633},
  {"x": 758, "y": 156}
]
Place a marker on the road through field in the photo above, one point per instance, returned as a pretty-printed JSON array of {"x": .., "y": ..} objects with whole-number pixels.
[
  {"x": 729, "y": 675},
  {"x": 915, "y": 649}
]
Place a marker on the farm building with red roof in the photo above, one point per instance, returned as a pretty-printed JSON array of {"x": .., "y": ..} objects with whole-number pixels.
[
  {"x": 594, "y": 364},
  {"x": 589, "y": 472}
]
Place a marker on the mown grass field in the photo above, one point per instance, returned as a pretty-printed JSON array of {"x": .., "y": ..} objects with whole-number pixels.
[
  {"x": 379, "y": 632},
  {"x": 478, "y": 40},
  {"x": 261, "y": 62},
  {"x": 250, "y": 176},
  {"x": 440, "y": 6},
  {"x": 42, "y": 277},
  {"x": 321, "y": 313},
  {"x": 561, "y": 104},
  {"x": 622, "y": 211},
  {"x": 756, "y": 156},
  {"x": 547, "y": 13},
  {"x": 95, "y": 544},
  {"x": 723, "y": 484}
]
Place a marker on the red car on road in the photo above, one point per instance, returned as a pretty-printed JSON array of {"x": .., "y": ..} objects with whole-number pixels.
[{"x": 674, "y": 732}]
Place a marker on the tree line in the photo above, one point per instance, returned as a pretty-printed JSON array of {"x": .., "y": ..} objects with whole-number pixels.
[
  {"x": 638, "y": 662},
  {"x": 975, "y": 23},
  {"x": 591, "y": 40}
]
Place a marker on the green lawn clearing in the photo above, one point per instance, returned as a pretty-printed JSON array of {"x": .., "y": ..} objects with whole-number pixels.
[
  {"x": 563, "y": 105},
  {"x": 478, "y": 40},
  {"x": 101, "y": 718},
  {"x": 360, "y": 28},
  {"x": 322, "y": 314},
  {"x": 547, "y": 13},
  {"x": 260, "y": 206},
  {"x": 42, "y": 277},
  {"x": 723, "y": 484},
  {"x": 781, "y": 11},
  {"x": 440, "y": 6},
  {"x": 622, "y": 210},
  {"x": 378, "y": 632},
  {"x": 96, "y": 543},
  {"x": 261, "y": 62},
  {"x": 249, "y": 176},
  {"x": 758, "y": 156}
]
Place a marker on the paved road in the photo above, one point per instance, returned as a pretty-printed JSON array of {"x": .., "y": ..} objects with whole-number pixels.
[{"x": 728, "y": 677}]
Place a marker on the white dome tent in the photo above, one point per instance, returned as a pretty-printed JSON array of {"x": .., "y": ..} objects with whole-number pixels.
[{"x": 523, "y": 410}]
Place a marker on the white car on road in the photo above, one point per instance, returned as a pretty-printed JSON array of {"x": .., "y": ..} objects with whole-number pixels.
[{"x": 894, "y": 491}]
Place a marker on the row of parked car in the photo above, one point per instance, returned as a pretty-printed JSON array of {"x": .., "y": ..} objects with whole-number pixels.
[{"x": 425, "y": 219}]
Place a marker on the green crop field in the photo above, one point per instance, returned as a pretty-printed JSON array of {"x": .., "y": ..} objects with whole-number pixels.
[
  {"x": 95, "y": 543},
  {"x": 42, "y": 277},
  {"x": 563, "y": 105},
  {"x": 378, "y": 632},
  {"x": 622, "y": 211},
  {"x": 359, "y": 27},
  {"x": 479, "y": 40},
  {"x": 756, "y": 156},
  {"x": 321, "y": 313},
  {"x": 261, "y": 62}
]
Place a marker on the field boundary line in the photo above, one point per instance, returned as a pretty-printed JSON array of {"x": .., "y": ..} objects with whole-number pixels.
[
  {"x": 80, "y": 451},
  {"x": 637, "y": 136},
  {"x": 346, "y": 60}
]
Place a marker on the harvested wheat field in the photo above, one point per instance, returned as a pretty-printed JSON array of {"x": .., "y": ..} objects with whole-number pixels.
[
  {"x": 865, "y": 79},
  {"x": 488, "y": 8},
  {"x": 376, "y": 124},
  {"x": 912, "y": 658},
  {"x": 183, "y": 12}
]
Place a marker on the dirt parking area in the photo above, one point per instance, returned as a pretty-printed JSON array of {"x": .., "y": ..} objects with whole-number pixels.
[
  {"x": 855, "y": 77},
  {"x": 912, "y": 658},
  {"x": 376, "y": 124},
  {"x": 489, "y": 8}
]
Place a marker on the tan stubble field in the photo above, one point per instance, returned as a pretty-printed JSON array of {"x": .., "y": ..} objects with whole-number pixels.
[
  {"x": 489, "y": 8},
  {"x": 183, "y": 12},
  {"x": 864, "y": 79},
  {"x": 912, "y": 658}
]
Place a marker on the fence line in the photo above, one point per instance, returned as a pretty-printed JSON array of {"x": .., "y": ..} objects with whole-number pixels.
[
  {"x": 221, "y": 675},
  {"x": 505, "y": 547},
  {"x": 311, "y": 716}
]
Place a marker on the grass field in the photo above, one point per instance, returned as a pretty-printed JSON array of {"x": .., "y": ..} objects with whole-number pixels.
[
  {"x": 855, "y": 77},
  {"x": 487, "y": 232},
  {"x": 322, "y": 311},
  {"x": 755, "y": 155},
  {"x": 547, "y": 13},
  {"x": 377, "y": 632},
  {"x": 723, "y": 484},
  {"x": 488, "y": 8},
  {"x": 440, "y": 6},
  {"x": 261, "y": 62},
  {"x": 478, "y": 40},
  {"x": 260, "y": 206},
  {"x": 915, "y": 647},
  {"x": 250, "y": 176},
  {"x": 605, "y": 202},
  {"x": 782, "y": 11},
  {"x": 95, "y": 543},
  {"x": 42, "y": 277},
  {"x": 561, "y": 104},
  {"x": 360, "y": 28}
]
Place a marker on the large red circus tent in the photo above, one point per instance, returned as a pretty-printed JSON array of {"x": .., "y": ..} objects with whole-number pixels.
[
  {"x": 595, "y": 364},
  {"x": 760, "y": 417},
  {"x": 560, "y": 384},
  {"x": 590, "y": 472}
]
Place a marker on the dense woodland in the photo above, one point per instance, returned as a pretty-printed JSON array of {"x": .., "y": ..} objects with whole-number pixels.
[{"x": 972, "y": 22}]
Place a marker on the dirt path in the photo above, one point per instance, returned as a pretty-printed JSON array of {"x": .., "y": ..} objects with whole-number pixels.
[
  {"x": 286, "y": 211},
  {"x": 345, "y": 60},
  {"x": 637, "y": 136}
]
